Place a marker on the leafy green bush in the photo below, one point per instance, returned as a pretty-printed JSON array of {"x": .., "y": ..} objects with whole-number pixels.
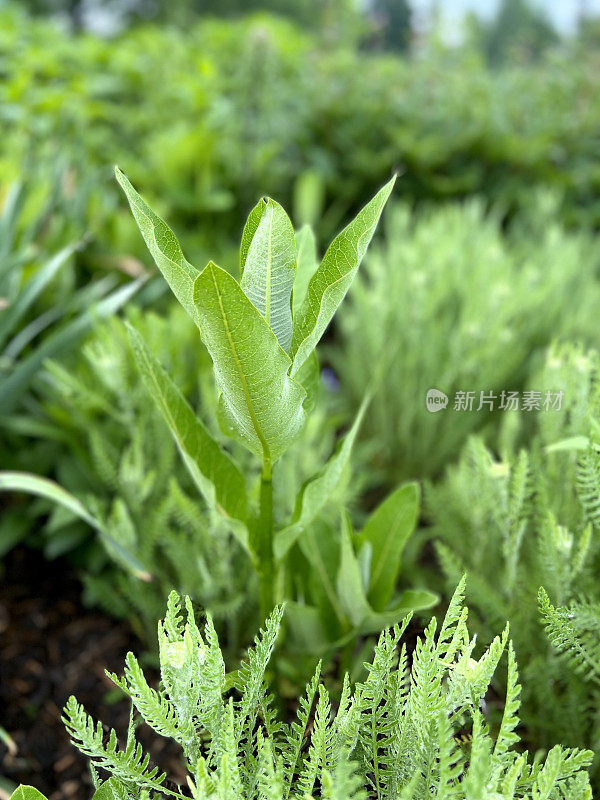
[
  {"x": 110, "y": 448},
  {"x": 530, "y": 520},
  {"x": 400, "y": 733},
  {"x": 115, "y": 455},
  {"x": 448, "y": 303}
]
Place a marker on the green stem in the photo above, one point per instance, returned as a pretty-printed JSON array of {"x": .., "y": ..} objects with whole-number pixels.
[{"x": 265, "y": 540}]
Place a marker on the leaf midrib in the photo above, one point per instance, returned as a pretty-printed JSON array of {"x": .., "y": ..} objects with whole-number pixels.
[{"x": 269, "y": 268}]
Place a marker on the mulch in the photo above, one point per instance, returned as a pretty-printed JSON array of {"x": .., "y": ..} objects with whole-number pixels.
[{"x": 50, "y": 648}]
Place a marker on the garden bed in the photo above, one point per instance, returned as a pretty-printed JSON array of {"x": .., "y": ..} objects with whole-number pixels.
[{"x": 53, "y": 647}]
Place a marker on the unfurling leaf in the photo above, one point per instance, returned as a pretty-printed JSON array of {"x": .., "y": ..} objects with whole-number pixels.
[
  {"x": 307, "y": 263},
  {"x": 352, "y": 596},
  {"x": 269, "y": 268}
]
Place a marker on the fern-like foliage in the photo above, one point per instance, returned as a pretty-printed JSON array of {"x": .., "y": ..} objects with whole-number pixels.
[
  {"x": 433, "y": 333},
  {"x": 530, "y": 518},
  {"x": 575, "y": 632},
  {"x": 397, "y": 734}
]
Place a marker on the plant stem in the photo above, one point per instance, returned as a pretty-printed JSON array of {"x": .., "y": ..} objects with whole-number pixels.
[{"x": 265, "y": 540}]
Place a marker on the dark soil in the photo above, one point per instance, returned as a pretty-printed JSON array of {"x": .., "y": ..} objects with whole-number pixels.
[{"x": 52, "y": 647}]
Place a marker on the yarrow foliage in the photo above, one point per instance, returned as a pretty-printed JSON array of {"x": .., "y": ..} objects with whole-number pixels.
[{"x": 397, "y": 734}]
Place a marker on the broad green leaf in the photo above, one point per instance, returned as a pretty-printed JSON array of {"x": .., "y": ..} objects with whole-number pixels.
[
  {"x": 572, "y": 443},
  {"x": 258, "y": 397},
  {"x": 307, "y": 635},
  {"x": 27, "y": 793},
  {"x": 105, "y": 791},
  {"x": 252, "y": 223},
  {"x": 215, "y": 474},
  {"x": 412, "y": 600},
  {"x": 115, "y": 789},
  {"x": 307, "y": 263},
  {"x": 386, "y": 533},
  {"x": 316, "y": 492},
  {"x": 269, "y": 270},
  {"x": 352, "y": 595},
  {"x": 328, "y": 286},
  {"x": 163, "y": 246},
  {"x": 42, "y": 487}
]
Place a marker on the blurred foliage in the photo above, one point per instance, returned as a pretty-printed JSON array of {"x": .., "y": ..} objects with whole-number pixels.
[
  {"x": 94, "y": 429},
  {"x": 519, "y": 30},
  {"x": 489, "y": 254},
  {"x": 99, "y": 436},
  {"x": 47, "y": 303},
  {"x": 452, "y": 302},
  {"x": 242, "y": 108},
  {"x": 521, "y": 518},
  {"x": 334, "y": 16}
]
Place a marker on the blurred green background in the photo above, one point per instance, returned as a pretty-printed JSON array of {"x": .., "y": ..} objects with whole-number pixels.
[{"x": 489, "y": 252}]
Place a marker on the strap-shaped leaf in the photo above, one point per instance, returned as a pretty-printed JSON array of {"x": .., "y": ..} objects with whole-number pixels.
[
  {"x": 12, "y": 315},
  {"x": 258, "y": 397},
  {"x": 12, "y": 386},
  {"x": 42, "y": 487},
  {"x": 270, "y": 267},
  {"x": 163, "y": 246},
  {"x": 215, "y": 474},
  {"x": 387, "y": 530},
  {"x": 317, "y": 491},
  {"x": 328, "y": 286}
]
